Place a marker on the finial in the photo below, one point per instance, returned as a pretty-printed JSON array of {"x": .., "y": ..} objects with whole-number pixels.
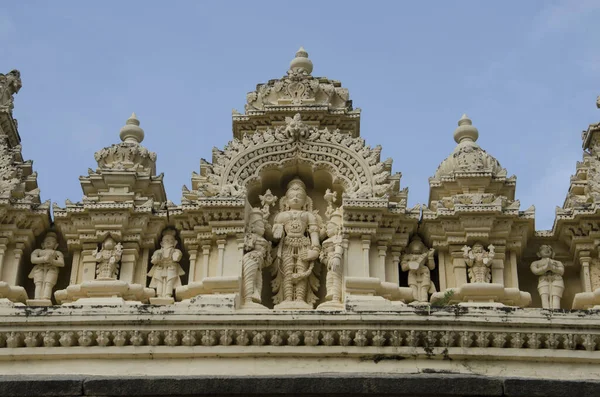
[
  {"x": 301, "y": 62},
  {"x": 465, "y": 131},
  {"x": 131, "y": 132}
]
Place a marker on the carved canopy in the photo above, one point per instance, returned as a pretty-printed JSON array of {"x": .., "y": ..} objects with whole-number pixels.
[{"x": 352, "y": 163}]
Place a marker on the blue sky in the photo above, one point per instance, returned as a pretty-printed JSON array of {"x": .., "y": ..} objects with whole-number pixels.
[{"x": 526, "y": 72}]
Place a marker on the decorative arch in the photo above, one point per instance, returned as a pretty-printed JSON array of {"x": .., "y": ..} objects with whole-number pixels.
[{"x": 352, "y": 163}]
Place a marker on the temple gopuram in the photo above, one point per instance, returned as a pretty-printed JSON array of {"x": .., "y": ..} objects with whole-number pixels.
[{"x": 293, "y": 266}]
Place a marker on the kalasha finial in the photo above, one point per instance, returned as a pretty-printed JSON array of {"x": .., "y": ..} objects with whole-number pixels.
[
  {"x": 132, "y": 132},
  {"x": 465, "y": 130},
  {"x": 301, "y": 62}
]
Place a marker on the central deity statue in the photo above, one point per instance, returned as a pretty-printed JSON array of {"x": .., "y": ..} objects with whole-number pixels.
[{"x": 296, "y": 229}]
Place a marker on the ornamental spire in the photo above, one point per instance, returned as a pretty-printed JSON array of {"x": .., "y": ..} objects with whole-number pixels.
[
  {"x": 301, "y": 62},
  {"x": 465, "y": 131},
  {"x": 132, "y": 132}
]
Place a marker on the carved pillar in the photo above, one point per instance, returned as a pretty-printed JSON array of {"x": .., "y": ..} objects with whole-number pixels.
[
  {"x": 497, "y": 267},
  {"x": 193, "y": 252},
  {"x": 3, "y": 246},
  {"x": 585, "y": 259},
  {"x": 141, "y": 272},
  {"x": 129, "y": 259},
  {"x": 240, "y": 245},
  {"x": 205, "y": 259},
  {"x": 366, "y": 246},
  {"x": 75, "y": 267},
  {"x": 88, "y": 266},
  {"x": 12, "y": 278},
  {"x": 460, "y": 268},
  {"x": 221, "y": 256},
  {"x": 392, "y": 272},
  {"x": 442, "y": 257},
  {"x": 514, "y": 276},
  {"x": 345, "y": 259},
  {"x": 379, "y": 270}
]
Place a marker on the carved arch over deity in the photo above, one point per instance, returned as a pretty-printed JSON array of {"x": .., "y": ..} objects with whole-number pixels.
[{"x": 353, "y": 165}]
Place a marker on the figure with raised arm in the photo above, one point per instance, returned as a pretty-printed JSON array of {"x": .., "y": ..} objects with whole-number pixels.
[{"x": 418, "y": 262}]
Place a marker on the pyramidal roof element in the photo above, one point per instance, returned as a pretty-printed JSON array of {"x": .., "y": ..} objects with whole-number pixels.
[
  {"x": 126, "y": 172},
  {"x": 322, "y": 101},
  {"x": 129, "y": 154},
  {"x": 468, "y": 158},
  {"x": 471, "y": 170}
]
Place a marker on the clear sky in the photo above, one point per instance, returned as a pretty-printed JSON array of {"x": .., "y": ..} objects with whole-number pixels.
[{"x": 526, "y": 72}]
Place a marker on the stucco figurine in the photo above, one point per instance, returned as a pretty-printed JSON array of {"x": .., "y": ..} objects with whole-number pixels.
[
  {"x": 296, "y": 228},
  {"x": 418, "y": 262},
  {"x": 46, "y": 260},
  {"x": 550, "y": 282},
  {"x": 108, "y": 259},
  {"x": 166, "y": 271},
  {"x": 479, "y": 262}
]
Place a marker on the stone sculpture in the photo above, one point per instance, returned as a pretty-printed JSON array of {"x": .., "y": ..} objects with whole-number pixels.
[
  {"x": 166, "y": 271},
  {"x": 46, "y": 260},
  {"x": 332, "y": 253},
  {"x": 10, "y": 84},
  {"x": 257, "y": 256},
  {"x": 418, "y": 262},
  {"x": 550, "y": 283},
  {"x": 296, "y": 228},
  {"x": 479, "y": 262},
  {"x": 108, "y": 259}
]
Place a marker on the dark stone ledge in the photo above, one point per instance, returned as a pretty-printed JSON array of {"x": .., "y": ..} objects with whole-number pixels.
[
  {"x": 347, "y": 385},
  {"x": 46, "y": 385},
  {"x": 326, "y": 384},
  {"x": 519, "y": 387}
]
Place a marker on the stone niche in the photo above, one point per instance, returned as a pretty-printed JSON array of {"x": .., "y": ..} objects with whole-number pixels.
[
  {"x": 276, "y": 180},
  {"x": 353, "y": 222}
]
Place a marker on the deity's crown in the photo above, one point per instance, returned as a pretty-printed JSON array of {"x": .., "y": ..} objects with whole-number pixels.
[
  {"x": 337, "y": 216},
  {"x": 295, "y": 184},
  {"x": 255, "y": 215},
  {"x": 416, "y": 244},
  {"x": 52, "y": 235},
  {"x": 169, "y": 232}
]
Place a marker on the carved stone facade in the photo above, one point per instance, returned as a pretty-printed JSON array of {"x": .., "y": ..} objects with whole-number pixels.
[{"x": 295, "y": 240}]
